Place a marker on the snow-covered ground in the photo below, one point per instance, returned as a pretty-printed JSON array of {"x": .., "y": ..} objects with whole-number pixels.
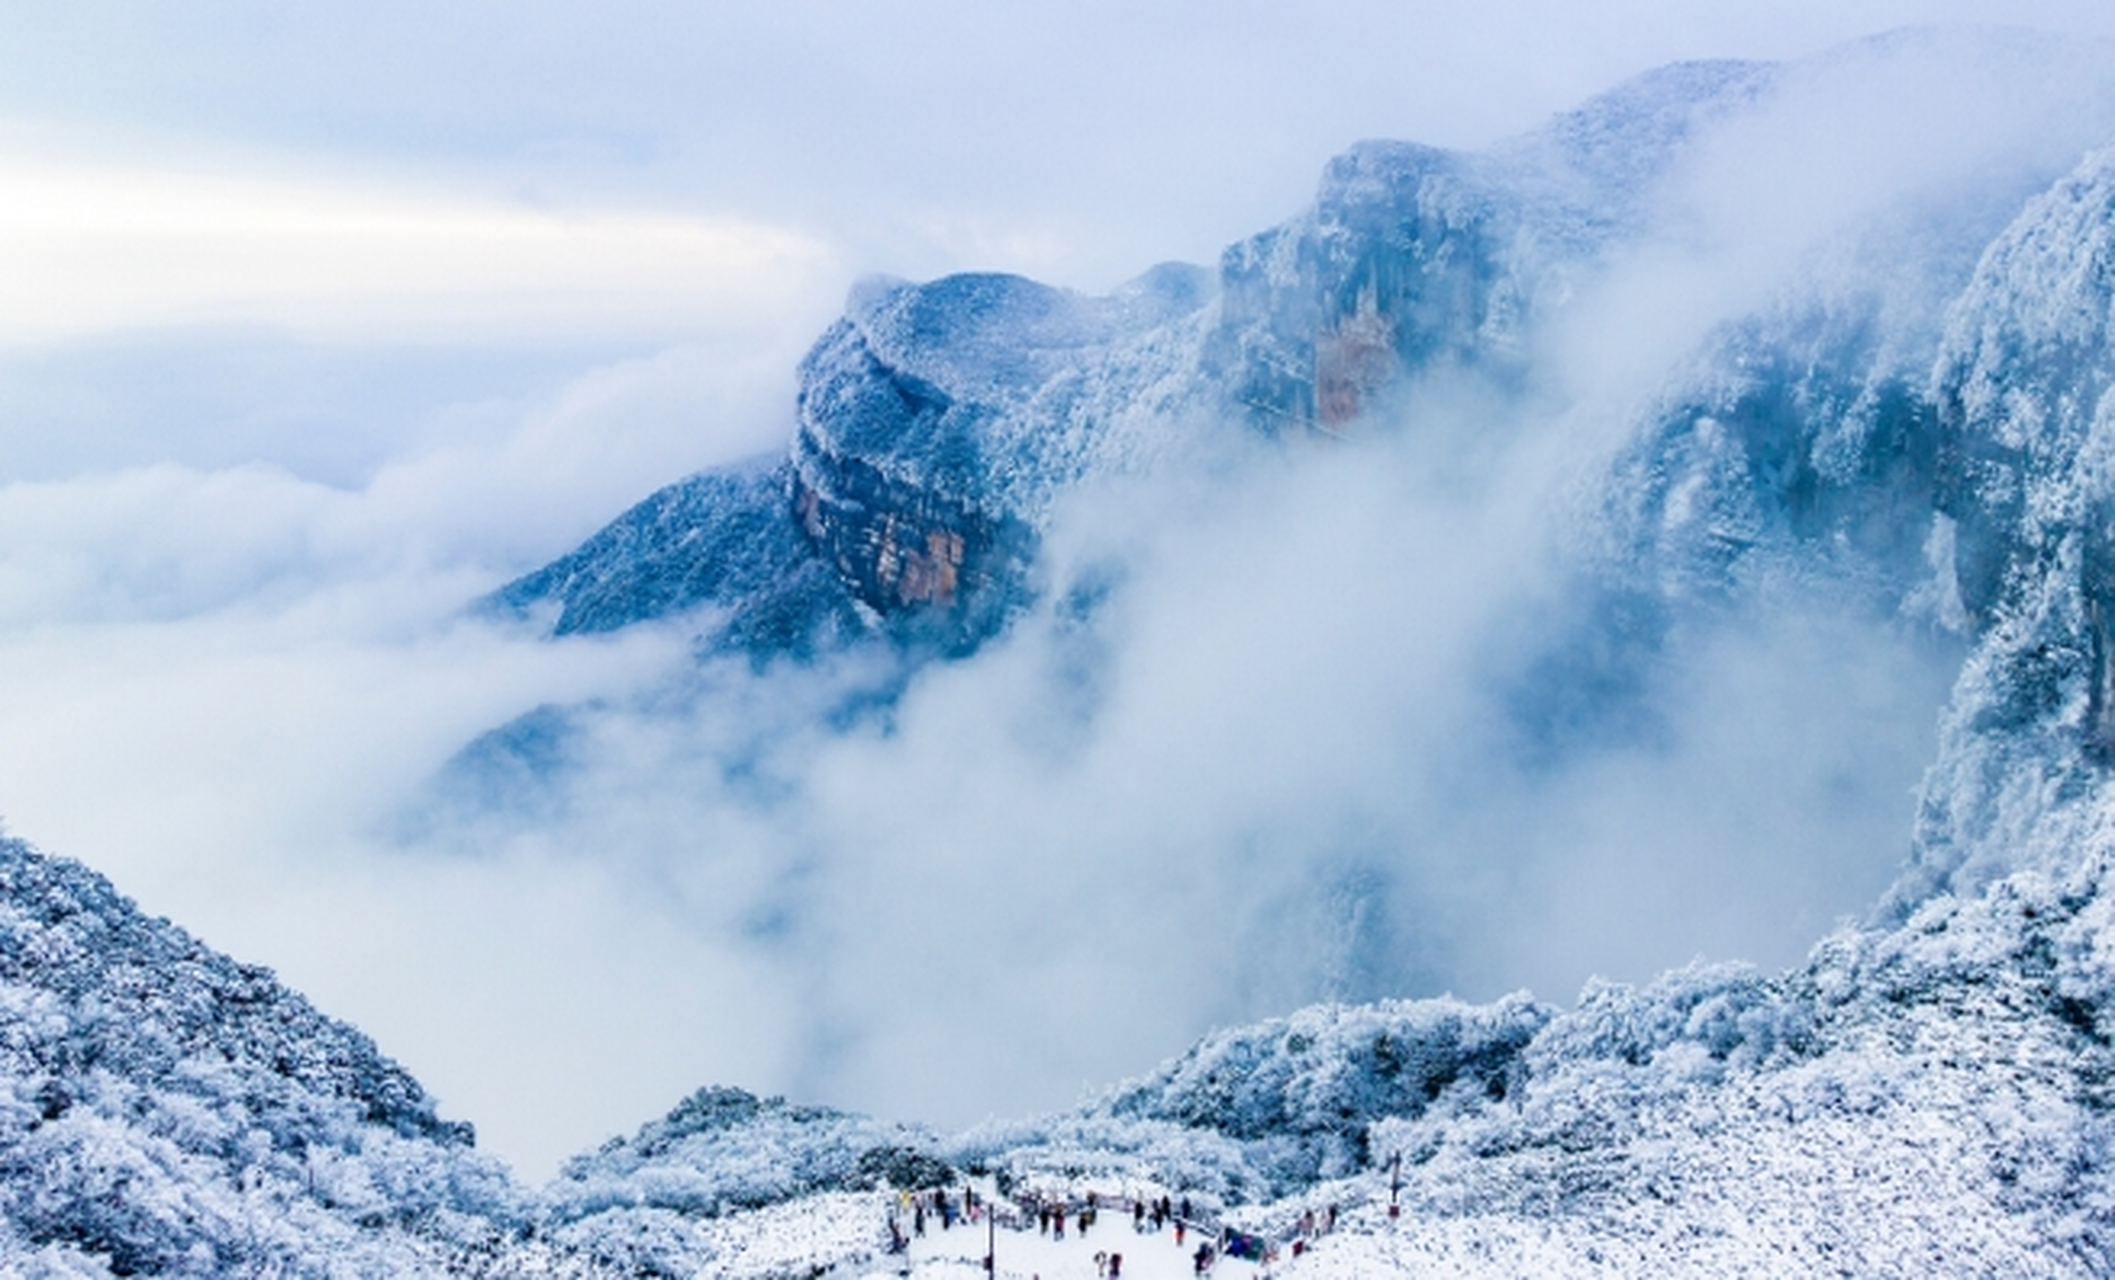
[{"x": 1030, "y": 1255}]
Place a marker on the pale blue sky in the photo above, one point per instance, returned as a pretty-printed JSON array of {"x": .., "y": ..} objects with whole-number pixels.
[{"x": 1086, "y": 140}]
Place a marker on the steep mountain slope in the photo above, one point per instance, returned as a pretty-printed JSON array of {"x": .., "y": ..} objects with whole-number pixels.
[
  {"x": 165, "y": 1110},
  {"x": 724, "y": 543},
  {"x": 941, "y": 426},
  {"x": 2022, "y": 389},
  {"x": 170, "y": 1111},
  {"x": 938, "y": 423},
  {"x": 1927, "y": 1100}
]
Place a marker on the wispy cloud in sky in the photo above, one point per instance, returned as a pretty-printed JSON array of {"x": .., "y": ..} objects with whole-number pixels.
[{"x": 91, "y": 249}]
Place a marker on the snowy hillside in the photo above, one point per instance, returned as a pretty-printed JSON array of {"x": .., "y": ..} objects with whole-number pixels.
[
  {"x": 724, "y": 542},
  {"x": 1931, "y": 1099},
  {"x": 170, "y": 1111}
]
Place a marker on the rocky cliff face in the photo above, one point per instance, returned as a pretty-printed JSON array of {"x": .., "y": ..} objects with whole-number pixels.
[
  {"x": 1419, "y": 262},
  {"x": 938, "y": 423},
  {"x": 1909, "y": 422}
]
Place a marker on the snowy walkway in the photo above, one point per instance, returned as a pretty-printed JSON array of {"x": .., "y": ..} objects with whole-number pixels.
[{"x": 958, "y": 1254}]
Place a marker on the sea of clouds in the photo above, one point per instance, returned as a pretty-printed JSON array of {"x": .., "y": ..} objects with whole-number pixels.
[{"x": 296, "y": 366}]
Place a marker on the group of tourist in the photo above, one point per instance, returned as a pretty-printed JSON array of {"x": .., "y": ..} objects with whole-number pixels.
[
  {"x": 1148, "y": 1215},
  {"x": 923, "y": 1206}
]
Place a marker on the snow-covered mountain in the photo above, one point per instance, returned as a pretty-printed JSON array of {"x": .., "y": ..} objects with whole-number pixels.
[
  {"x": 1888, "y": 396},
  {"x": 938, "y": 423}
]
